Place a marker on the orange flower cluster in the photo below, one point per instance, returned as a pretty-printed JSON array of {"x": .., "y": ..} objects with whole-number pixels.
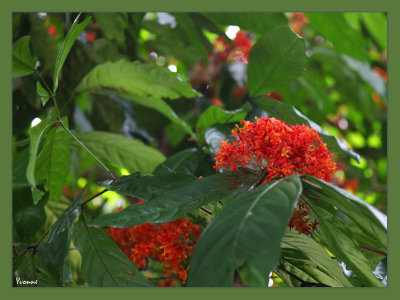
[
  {"x": 281, "y": 150},
  {"x": 170, "y": 243}
]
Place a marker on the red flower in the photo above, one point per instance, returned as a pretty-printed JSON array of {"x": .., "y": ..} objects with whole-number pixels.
[
  {"x": 52, "y": 29},
  {"x": 281, "y": 150}
]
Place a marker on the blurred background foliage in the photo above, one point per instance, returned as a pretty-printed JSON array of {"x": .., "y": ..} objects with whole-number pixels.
[{"x": 343, "y": 89}]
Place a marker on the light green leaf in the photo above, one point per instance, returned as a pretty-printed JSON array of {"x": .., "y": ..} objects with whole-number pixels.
[
  {"x": 144, "y": 84},
  {"x": 214, "y": 135},
  {"x": 377, "y": 25},
  {"x": 115, "y": 149},
  {"x": 136, "y": 79},
  {"x": 291, "y": 115},
  {"x": 53, "y": 161},
  {"x": 44, "y": 95},
  {"x": 306, "y": 254},
  {"x": 345, "y": 39},
  {"x": 174, "y": 203},
  {"x": 276, "y": 59},
  {"x": 23, "y": 62},
  {"x": 215, "y": 115},
  {"x": 247, "y": 232},
  {"x": 103, "y": 263},
  {"x": 66, "y": 46}
]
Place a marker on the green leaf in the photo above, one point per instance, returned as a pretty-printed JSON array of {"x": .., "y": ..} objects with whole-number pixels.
[
  {"x": 291, "y": 115},
  {"x": 23, "y": 62},
  {"x": 141, "y": 83},
  {"x": 136, "y": 79},
  {"x": 248, "y": 232},
  {"x": 214, "y": 135},
  {"x": 103, "y": 263},
  {"x": 36, "y": 134},
  {"x": 256, "y": 22},
  {"x": 148, "y": 187},
  {"x": 31, "y": 268},
  {"x": 276, "y": 59},
  {"x": 367, "y": 74},
  {"x": 187, "y": 161},
  {"x": 113, "y": 25},
  {"x": 52, "y": 163},
  {"x": 344, "y": 38},
  {"x": 44, "y": 95},
  {"x": 370, "y": 221},
  {"x": 67, "y": 218},
  {"x": 336, "y": 236},
  {"x": 66, "y": 46},
  {"x": 381, "y": 271},
  {"x": 115, "y": 149},
  {"x": 192, "y": 33},
  {"x": 306, "y": 254},
  {"x": 173, "y": 204},
  {"x": 376, "y": 24},
  {"x": 215, "y": 115}
]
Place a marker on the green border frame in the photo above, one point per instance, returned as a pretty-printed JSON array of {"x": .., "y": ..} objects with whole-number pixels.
[{"x": 205, "y": 5}]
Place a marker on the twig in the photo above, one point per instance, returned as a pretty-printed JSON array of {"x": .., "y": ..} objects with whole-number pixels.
[
  {"x": 206, "y": 210},
  {"x": 372, "y": 250}
]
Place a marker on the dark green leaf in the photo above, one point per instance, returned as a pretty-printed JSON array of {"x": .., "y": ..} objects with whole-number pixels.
[
  {"x": 173, "y": 204},
  {"x": 23, "y": 62},
  {"x": 291, "y": 115},
  {"x": 44, "y": 95},
  {"x": 276, "y": 59},
  {"x": 186, "y": 161},
  {"x": 115, "y": 149},
  {"x": 370, "y": 221},
  {"x": 336, "y": 236},
  {"x": 148, "y": 187},
  {"x": 214, "y": 135},
  {"x": 66, "y": 46},
  {"x": 248, "y": 232},
  {"x": 66, "y": 219},
  {"x": 257, "y": 22},
  {"x": 113, "y": 25},
  {"x": 215, "y": 115},
  {"x": 36, "y": 135},
  {"x": 103, "y": 263},
  {"x": 53, "y": 161},
  {"x": 192, "y": 33},
  {"x": 344, "y": 38},
  {"x": 306, "y": 254}
]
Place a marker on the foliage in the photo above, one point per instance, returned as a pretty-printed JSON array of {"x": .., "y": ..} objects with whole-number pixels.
[{"x": 199, "y": 149}]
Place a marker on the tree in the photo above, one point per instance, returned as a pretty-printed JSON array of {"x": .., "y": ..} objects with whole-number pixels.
[{"x": 199, "y": 149}]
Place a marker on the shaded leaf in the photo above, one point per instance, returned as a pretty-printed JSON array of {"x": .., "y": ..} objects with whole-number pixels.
[
  {"x": 276, "y": 59},
  {"x": 228, "y": 242},
  {"x": 66, "y": 46},
  {"x": 336, "y": 236},
  {"x": 306, "y": 254},
  {"x": 112, "y": 148},
  {"x": 53, "y": 161},
  {"x": 67, "y": 218},
  {"x": 174, "y": 203},
  {"x": 23, "y": 62},
  {"x": 291, "y": 115},
  {"x": 103, "y": 263}
]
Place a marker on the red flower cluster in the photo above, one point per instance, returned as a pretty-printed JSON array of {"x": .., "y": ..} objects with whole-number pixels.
[
  {"x": 298, "y": 21},
  {"x": 171, "y": 244},
  {"x": 281, "y": 150},
  {"x": 239, "y": 51}
]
